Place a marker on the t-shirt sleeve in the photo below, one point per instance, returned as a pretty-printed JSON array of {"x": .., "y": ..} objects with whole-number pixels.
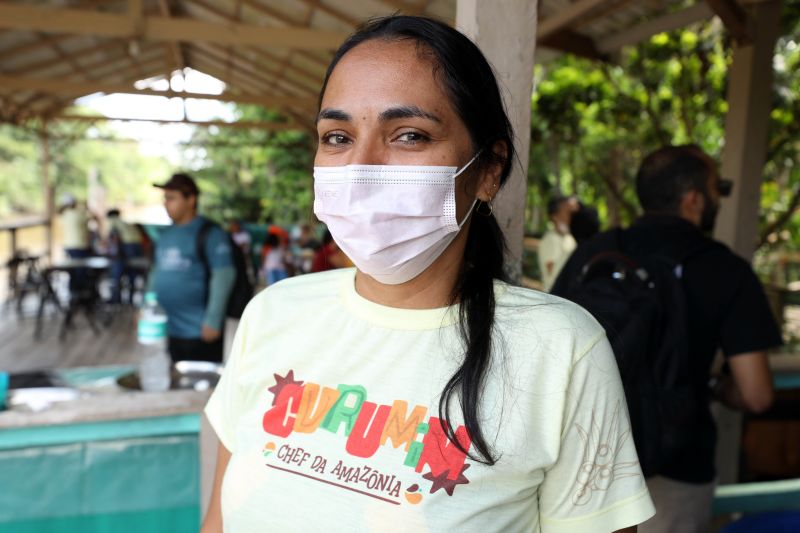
[
  {"x": 596, "y": 483},
  {"x": 226, "y": 400},
  {"x": 218, "y": 249},
  {"x": 748, "y": 324}
]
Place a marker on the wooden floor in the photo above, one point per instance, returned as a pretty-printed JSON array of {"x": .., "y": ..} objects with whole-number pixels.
[{"x": 19, "y": 351}]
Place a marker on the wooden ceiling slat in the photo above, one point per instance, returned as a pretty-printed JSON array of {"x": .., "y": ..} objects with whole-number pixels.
[
  {"x": 313, "y": 78},
  {"x": 252, "y": 70},
  {"x": 270, "y": 12},
  {"x": 263, "y": 81},
  {"x": 77, "y": 54},
  {"x": 85, "y": 22},
  {"x": 60, "y": 86},
  {"x": 566, "y": 16},
  {"x": 27, "y": 48},
  {"x": 239, "y": 124},
  {"x": 113, "y": 73},
  {"x": 668, "y": 22},
  {"x": 335, "y": 13}
]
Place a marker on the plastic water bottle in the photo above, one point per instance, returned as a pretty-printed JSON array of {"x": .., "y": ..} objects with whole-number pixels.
[{"x": 154, "y": 364}]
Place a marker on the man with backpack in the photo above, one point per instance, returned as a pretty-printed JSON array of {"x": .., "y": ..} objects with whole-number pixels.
[
  {"x": 196, "y": 276},
  {"x": 670, "y": 297}
]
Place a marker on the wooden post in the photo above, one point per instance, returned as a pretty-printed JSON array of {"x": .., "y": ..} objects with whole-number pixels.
[
  {"x": 47, "y": 187},
  {"x": 746, "y": 128},
  {"x": 507, "y": 37}
]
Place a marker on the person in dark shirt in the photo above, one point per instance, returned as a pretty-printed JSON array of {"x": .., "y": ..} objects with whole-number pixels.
[
  {"x": 680, "y": 190},
  {"x": 585, "y": 223}
]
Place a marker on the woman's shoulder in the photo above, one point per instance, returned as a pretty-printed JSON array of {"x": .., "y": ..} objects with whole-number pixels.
[
  {"x": 545, "y": 318},
  {"x": 305, "y": 290}
]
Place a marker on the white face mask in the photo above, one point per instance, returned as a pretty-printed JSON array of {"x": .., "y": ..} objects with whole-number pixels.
[{"x": 392, "y": 221}]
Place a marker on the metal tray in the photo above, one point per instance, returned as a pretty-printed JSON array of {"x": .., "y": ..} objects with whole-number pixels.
[{"x": 197, "y": 375}]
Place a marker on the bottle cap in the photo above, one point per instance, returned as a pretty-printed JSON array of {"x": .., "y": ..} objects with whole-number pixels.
[{"x": 150, "y": 298}]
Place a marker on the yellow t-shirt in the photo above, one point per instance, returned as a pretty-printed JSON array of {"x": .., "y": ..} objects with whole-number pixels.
[
  {"x": 74, "y": 227},
  {"x": 329, "y": 407}
]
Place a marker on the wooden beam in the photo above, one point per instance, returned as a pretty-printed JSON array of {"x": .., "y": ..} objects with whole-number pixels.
[
  {"x": 177, "y": 54},
  {"x": 58, "y": 86},
  {"x": 573, "y": 43},
  {"x": 565, "y": 16},
  {"x": 241, "y": 124},
  {"x": 163, "y": 29},
  {"x": 670, "y": 22},
  {"x": 733, "y": 17}
]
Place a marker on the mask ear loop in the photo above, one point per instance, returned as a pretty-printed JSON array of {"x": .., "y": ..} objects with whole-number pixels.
[{"x": 475, "y": 201}]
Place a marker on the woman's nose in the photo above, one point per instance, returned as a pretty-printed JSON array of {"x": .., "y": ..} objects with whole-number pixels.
[{"x": 368, "y": 150}]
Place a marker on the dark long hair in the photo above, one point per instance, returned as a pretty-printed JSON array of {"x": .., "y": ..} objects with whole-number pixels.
[{"x": 470, "y": 83}]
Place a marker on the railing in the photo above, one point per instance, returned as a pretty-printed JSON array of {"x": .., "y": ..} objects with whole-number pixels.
[{"x": 21, "y": 223}]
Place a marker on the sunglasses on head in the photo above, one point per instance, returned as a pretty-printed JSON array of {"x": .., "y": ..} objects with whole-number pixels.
[{"x": 724, "y": 186}]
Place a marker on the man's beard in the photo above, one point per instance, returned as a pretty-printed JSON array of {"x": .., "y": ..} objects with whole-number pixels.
[{"x": 708, "y": 217}]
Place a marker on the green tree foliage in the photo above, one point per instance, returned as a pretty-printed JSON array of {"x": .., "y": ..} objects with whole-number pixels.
[
  {"x": 254, "y": 175},
  {"x": 76, "y": 152},
  {"x": 593, "y": 122}
]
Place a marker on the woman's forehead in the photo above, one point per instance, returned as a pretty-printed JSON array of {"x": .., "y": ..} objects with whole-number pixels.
[{"x": 379, "y": 72}]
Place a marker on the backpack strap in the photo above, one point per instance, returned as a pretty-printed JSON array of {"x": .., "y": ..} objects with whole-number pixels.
[{"x": 200, "y": 245}]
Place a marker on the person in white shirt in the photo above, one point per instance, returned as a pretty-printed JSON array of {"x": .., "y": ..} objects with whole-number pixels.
[
  {"x": 418, "y": 391},
  {"x": 76, "y": 237},
  {"x": 557, "y": 244}
]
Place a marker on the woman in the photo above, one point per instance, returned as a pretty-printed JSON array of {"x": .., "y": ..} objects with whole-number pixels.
[{"x": 418, "y": 392}]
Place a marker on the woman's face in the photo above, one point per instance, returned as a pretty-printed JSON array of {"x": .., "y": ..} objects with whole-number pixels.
[{"x": 383, "y": 106}]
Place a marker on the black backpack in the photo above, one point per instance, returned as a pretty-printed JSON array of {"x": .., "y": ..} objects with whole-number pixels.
[
  {"x": 242, "y": 290},
  {"x": 641, "y": 303}
]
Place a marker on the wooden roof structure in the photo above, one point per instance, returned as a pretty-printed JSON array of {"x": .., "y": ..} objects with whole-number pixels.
[{"x": 267, "y": 52}]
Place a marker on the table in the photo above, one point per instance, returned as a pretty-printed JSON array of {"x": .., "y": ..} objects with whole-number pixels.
[
  {"x": 112, "y": 460},
  {"x": 85, "y": 298}
]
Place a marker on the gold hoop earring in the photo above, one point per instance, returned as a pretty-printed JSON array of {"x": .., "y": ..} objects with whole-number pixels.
[{"x": 484, "y": 212}]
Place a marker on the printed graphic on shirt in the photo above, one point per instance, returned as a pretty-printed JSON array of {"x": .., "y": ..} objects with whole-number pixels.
[
  {"x": 172, "y": 259},
  {"x": 299, "y": 407},
  {"x": 599, "y": 468}
]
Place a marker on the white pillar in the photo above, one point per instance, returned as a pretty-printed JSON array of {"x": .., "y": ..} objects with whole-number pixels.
[
  {"x": 746, "y": 127},
  {"x": 507, "y": 37}
]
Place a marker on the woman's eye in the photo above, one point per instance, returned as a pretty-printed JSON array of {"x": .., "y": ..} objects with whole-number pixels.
[
  {"x": 412, "y": 137},
  {"x": 334, "y": 139}
]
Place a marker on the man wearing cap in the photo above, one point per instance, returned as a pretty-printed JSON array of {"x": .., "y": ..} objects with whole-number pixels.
[{"x": 193, "y": 293}]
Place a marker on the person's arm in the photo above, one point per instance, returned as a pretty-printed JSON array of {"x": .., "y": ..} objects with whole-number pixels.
[
  {"x": 749, "y": 386},
  {"x": 219, "y": 254},
  {"x": 213, "y": 520},
  {"x": 220, "y": 286}
]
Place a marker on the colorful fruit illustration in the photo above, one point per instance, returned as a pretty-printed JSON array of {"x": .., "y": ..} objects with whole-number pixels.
[
  {"x": 412, "y": 494},
  {"x": 269, "y": 448}
]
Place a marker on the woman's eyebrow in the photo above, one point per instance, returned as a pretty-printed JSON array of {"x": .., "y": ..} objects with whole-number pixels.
[
  {"x": 407, "y": 111},
  {"x": 334, "y": 114}
]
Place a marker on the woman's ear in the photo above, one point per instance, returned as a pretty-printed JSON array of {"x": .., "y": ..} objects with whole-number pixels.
[{"x": 489, "y": 180}]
